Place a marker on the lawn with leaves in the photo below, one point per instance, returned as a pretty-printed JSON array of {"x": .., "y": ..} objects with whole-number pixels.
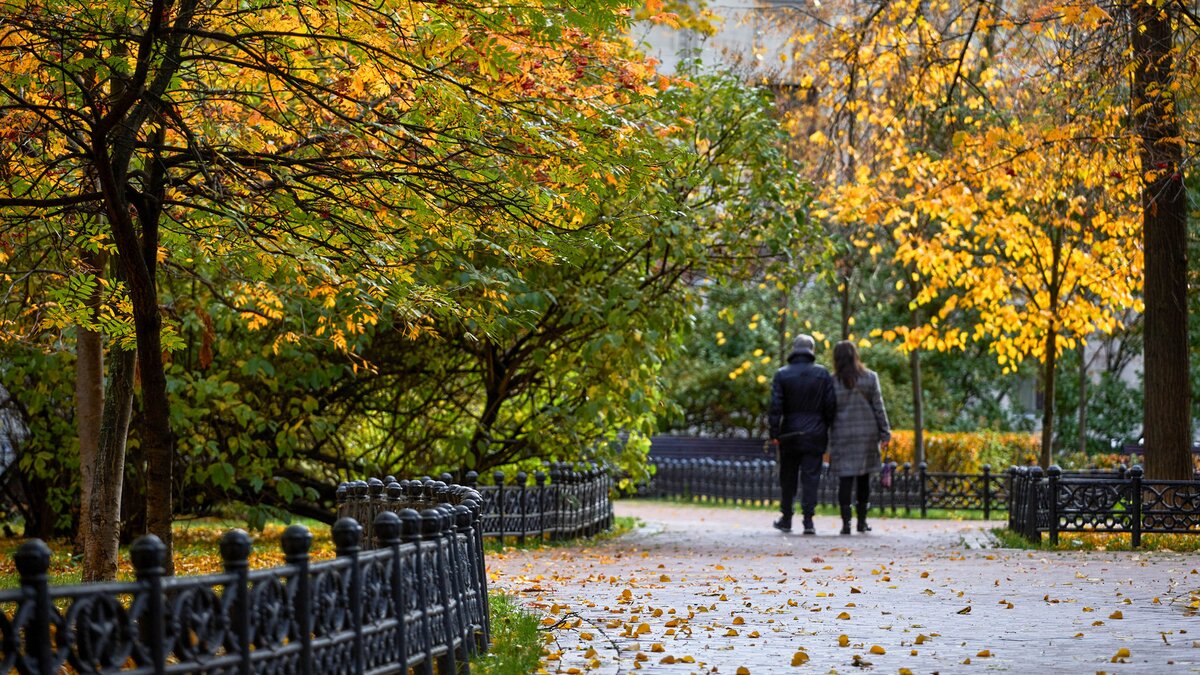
[
  {"x": 1102, "y": 541},
  {"x": 196, "y": 551}
]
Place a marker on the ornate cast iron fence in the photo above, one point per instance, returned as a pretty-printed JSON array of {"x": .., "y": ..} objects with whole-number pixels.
[
  {"x": 572, "y": 503},
  {"x": 1123, "y": 501},
  {"x": 897, "y": 487},
  {"x": 417, "y": 600}
]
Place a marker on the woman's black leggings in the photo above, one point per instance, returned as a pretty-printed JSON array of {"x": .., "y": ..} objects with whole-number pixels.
[{"x": 862, "y": 485}]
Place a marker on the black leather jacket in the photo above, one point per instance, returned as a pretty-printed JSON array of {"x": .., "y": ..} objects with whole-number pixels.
[{"x": 803, "y": 404}]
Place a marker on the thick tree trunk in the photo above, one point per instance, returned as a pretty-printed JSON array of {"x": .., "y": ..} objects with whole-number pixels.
[
  {"x": 89, "y": 406},
  {"x": 156, "y": 425},
  {"x": 103, "y": 528},
  {"x": 1167, "y": 412},
  {"x": 89, "y": 403},
  {"x": 138, "y": 259}
]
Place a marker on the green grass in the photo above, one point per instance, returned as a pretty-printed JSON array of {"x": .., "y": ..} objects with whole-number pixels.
[
  {"x": 516, "y": 647},
  {"x": 1100, "y": 541},
  {"x": 621, "y": 525}
]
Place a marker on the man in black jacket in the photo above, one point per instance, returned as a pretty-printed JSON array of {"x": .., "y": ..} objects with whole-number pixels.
[{"x": 803, "y": 406}]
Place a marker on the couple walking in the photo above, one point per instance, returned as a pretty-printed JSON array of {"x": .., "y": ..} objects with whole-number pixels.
[{"x": 812, "y": 412}]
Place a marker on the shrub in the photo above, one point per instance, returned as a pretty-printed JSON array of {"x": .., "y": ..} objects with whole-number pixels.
[{"x": 967, "y": 452}]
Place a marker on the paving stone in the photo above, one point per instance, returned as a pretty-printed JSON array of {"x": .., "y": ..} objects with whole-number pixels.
[{"x": 713, "y": 590}]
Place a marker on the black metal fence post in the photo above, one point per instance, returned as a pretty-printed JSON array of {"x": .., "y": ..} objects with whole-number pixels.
[
  {"x": 1135, "y": 485},
  {"x": 987, "y": 491},
  {"x": 431, "y": 531},
  {"x": 347, "y": 539},
  {"x": 893, "y": 478},
  {"x": 1032, "y": 500},
  {"x": 387, "y": 535},
  {"x": 410, "y": 533},
  {"x": 539, "y": 477},
  {"x": 479, "y": 570},
  {"x": 235, "y": 548},
  {"x": 498, "y": 479},
  {"x": 1013, "y": 500},
  {"x": 147, "y": 555},
  {"x": 296, "y": 543},
  {"x": 922, "y": 474},
  {"x": 523, "y": 510},
  {"x": 907, "y": 488},
  {"x": 452, "y": 618},
  {"x": 1053, "y": 475},
  {"x": 32, "y": 560}
]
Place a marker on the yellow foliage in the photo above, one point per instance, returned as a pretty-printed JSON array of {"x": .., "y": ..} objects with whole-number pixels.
[{"x": 966, "y": 452}]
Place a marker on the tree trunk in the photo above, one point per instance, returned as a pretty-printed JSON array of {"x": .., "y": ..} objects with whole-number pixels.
[
  {"x": 1167, "y": 413},
  {"x": 103, "y": 528},
  {"x": 89, "y": 406},
  {"x": 1083, "y": 394},
  {"x": 89, "y": 402},
  {"x": 1048, "y": 382},
  {"x": 918, "y": 401},
  {"x": 138, "y": 259}
]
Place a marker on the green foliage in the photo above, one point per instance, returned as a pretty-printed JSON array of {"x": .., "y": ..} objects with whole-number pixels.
[
  {"x": 1113, "y": 412},
  {"x": 40, "y": 390},
  {"x": 720, "y": 380}
]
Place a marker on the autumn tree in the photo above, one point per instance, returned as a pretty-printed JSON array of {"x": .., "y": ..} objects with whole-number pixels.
[
  {"x": 887, "y": 87},
  {"x": 325, "y": 149}
]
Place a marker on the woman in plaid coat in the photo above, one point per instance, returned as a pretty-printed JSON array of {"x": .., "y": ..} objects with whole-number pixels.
[{"x": 859, "y": 430}]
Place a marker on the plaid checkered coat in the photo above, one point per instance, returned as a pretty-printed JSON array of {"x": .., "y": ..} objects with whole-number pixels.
[{"x": 860, "y": 425}]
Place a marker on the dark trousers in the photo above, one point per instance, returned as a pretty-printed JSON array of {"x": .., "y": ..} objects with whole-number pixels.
[
  {"x": 803, "y": 468},
  {"x": 861, "y": 485}
]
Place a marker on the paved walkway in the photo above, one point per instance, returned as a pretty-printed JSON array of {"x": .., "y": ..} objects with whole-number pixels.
[{"x": 716, "y": 590}]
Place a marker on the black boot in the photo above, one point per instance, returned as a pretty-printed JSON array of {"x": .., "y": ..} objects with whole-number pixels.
[
  {"x": 846, "y": 519},
  {"x": 784, "y": 524},
  {"x": 861, "y": 511},
  {"x": 809, "y": 528}
]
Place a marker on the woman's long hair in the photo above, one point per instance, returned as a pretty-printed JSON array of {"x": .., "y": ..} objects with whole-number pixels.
[{"x": 846, "y": 365}]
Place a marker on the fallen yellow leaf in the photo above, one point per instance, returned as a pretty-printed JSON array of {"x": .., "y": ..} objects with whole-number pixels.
[
  {"x": 799, "y": 658},
  {"x": 843, "y": 640},
  {"x": 984, "y": 654},
  {"x": 743, "y": 670},
  {"x": 844, "y": 615},
  {"x": 1116, "y": 615},
  {"x": 876, "y": 649}
]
